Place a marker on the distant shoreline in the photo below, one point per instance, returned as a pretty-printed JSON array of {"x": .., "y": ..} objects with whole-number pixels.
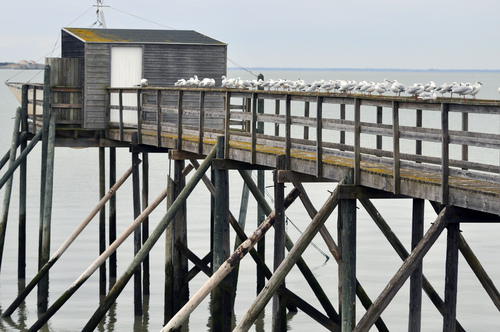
[{"x": 368, "y": 69}]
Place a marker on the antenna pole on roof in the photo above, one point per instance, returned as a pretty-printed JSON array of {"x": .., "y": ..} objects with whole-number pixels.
[{"x": 100, "y": 14}]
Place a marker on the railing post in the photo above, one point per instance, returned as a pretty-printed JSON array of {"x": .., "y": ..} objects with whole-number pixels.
[
  {"x": 120, "y": 112},
  {"x": 465, "y": 127},
  {"x": 34, "y": 110},
  {"x": 379, "y": 121},
  {"x": 254, "y": 128},
  {"x": 395, "y": 151},
  {"x": 319, "y": 137},
  {"x": 288, "y": 132},
  {"x": 179, "y": 120},
  {"x": 139, "y": 117},
  {"x": 445, "y": 156},
  {"x": 306, "y": 115},
  {"x": 158, "y": 118},
  {"x": 201, "y": 122},
  {"x": 357, "y": 142},
  {"x": 342, "y": 117},
  {"x": 418, "y": 143},
  {"x": 227, "y": 129},
  {"x": 277, "y": 112}
]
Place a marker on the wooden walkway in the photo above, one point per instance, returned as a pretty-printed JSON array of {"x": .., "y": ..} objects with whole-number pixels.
[{"x": 292, "y": 119}]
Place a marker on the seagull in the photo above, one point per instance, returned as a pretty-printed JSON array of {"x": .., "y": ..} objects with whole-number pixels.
[
  {"x": 426, "y": 95},
  {"x": 397, "y": 87},
  {"x": 415, "y": 89},
  {"x": 429, "y": 86},
  {"x": 347, "y": 86},
  {"x": 180, "y": 82},
  {"x": 368, "y": 87},
  {"x": 142, "y": 83},
  {"x": 228, "y": 83},
  {"x": 463, "y": 89},
  {"x": 207, "y": 82},
  {"x": 267, "y": 84},
  {"x": 380, "y": 88},
  {"x": 328, "y": 86},
  {"x": 193, "y": 81},
  {"x": 477, "y": 87}
]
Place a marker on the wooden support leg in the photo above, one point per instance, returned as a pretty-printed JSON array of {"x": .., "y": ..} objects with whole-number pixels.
[
  {"x": 112, "y": 216},
  {"x": 348, "y": 267},
  {"x": 43, "y": 286},
  {"x": 414, "y": 321},
  {"x": 145, "y": 224},
  {"x": 221, "y": 298},
  {"x": 450, "y": 292},
  {"x": 180, "y": 263},
  {"x": 169, "y": 264},
  {"x": 102, "y": 220},
  {"x": 261, "y": 246},
  {"x": 137, "y": 234},
  {"x": 8, "y": 188},
  {"x": 21, "y": 260},
  {"x": 279, "y": 302}
]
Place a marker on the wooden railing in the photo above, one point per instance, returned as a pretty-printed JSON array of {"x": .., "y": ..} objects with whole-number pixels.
[
  {"x": 65, "y": 101},
  {"x": 452, "y": 137}
]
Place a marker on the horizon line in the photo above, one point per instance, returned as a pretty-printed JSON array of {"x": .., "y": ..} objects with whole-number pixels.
[{"x": 364, "y": 69}]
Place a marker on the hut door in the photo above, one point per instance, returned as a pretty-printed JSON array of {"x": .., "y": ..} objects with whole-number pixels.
[{"x": 126, "y": 71}]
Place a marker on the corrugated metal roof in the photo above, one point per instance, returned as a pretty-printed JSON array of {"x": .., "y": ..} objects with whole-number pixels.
[{"x": 142, "y": 36}]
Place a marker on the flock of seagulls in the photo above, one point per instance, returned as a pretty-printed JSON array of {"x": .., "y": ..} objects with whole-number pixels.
[{"x": 426, "y": 91}]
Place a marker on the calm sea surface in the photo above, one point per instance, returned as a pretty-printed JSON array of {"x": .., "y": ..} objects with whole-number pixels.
[{"x": 76, "y": 193}]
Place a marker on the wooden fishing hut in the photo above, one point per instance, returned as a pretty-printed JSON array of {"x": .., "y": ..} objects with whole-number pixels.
[{"x": 344, "y": 147}]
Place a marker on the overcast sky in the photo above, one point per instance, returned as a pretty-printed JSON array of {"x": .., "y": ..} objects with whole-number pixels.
[{"x": 402, "y": 34}]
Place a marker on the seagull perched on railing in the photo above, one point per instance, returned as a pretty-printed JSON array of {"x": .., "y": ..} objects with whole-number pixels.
[
  {"x": 477, "y": 87},
  {"x": 397, "y": 87},
  {"x": 142, "y": 83},
  {"x": 380, "y": 88},
  {"x": 428, "y": 95},
  {"x": 415, "y": 89},
  {"x": 462, "y": 89}
]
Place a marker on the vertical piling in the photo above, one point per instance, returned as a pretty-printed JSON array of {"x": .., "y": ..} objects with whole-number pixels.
[
  {"x": 145, "y": 224},
  {"x": 43, "y": 286},
  {"x": 261, "y": 216},
  {"x": 8, "y": 187},
  {"x": 102, "y": 219},
  {"x": 168, "y": 311},
  {"x": 112, "y": 216},
  {"x": 221, "y": 298},
  {"x": 348, "y": 268},
  {"x": 414, "y": 321},
  {"x": 21, "y": 259},
  {"x": 279, "y": 302},
  {"x": 450, "y": 291},
  {"x": 179, "y": 228},
  {"x": 137, "y": 232}
]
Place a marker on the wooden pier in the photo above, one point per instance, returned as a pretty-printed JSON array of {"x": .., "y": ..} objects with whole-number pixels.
[{"x": 372, "y": 146}]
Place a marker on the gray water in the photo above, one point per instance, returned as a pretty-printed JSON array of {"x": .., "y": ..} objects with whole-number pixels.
[{"x": 76, "y": 193}]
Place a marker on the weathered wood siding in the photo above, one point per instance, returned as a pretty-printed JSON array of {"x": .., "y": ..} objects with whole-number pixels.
[
  {"x": 163, "y": 65},
  {"x": 166, "y": 64},
  {"x": 97, "y": 78}
]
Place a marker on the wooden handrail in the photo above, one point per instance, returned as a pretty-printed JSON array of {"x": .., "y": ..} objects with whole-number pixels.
[{"x": 322, "y": 145}]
